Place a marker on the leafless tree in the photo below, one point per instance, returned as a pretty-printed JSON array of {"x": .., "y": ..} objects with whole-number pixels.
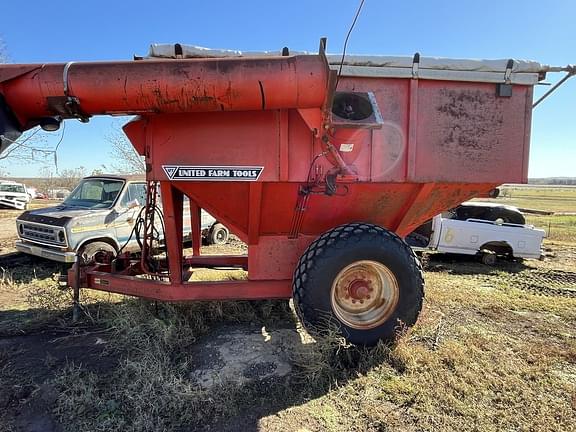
[
  {"x": 3, "y": 52},
  {"x": 49, "y": 182},
  {"x": 32, "y": 146},
  {"x": 69, "y": 178},
  {"x": 126, "y": 158}
]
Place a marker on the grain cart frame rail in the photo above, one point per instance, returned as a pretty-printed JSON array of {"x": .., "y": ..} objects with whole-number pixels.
[{"x": 320, "y": 182}]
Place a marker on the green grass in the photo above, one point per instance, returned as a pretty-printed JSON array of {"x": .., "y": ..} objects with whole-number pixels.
[
  {"x": 557, "y": 227},
  {"x": 532, "y": 197}
]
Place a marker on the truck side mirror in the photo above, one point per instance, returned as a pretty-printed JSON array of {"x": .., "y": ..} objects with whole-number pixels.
[{"x": 133, "y": 204}]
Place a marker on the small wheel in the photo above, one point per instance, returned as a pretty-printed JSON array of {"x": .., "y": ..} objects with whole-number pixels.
[
  {"x": 97, "y": 252},
  {"x": 218, "y": 234},
  {"x": 489, "y": 258},
  {"x": 362, "y": 278}
]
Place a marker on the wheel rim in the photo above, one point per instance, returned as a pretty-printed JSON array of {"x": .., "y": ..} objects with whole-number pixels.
[
  {"x": 221, "y": 235},
  {"x": 101, "y": 256},
  {"x": 364, "y": 294}
]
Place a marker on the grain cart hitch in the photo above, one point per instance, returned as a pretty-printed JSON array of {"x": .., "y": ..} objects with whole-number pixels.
[{"x": 320, "y": 182}]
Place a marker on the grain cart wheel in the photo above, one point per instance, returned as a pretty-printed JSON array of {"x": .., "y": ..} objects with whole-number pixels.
[
  {"x": 97, "y": 252},
  {"x": 218, "y": 234},
  {"x": 361, "y": 278}
]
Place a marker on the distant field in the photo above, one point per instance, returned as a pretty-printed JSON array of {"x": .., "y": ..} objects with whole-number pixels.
[
  {"x": 555, "y": 199},
  {"x": 560, "y": 226},
  {"x": 557, "y": 227}
]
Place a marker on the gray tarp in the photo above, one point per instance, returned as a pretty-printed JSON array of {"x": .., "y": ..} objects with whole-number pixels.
[{"x": 523, "y": 71}]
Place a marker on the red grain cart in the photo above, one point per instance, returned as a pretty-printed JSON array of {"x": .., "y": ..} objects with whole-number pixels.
[{"x": 321, "y": 176}]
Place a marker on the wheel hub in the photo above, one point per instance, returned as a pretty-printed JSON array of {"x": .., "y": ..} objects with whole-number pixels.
[
  {"x": 360, "y": 289},
  {"x": 364, "y": 294}
]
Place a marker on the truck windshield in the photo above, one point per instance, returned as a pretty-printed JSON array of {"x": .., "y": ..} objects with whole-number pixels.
[
  {"x": 95, "y": 193},
  {"x": 12, "y": 188}
]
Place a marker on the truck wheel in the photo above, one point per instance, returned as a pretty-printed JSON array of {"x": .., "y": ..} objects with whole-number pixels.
[
  {"x": 360, "y": 278},
  {"x": 508, "y": 216},
  {"x": 218, "y": 234},
  {"x": 489, "y": 258},
  {"x": 97, "y": 252}
]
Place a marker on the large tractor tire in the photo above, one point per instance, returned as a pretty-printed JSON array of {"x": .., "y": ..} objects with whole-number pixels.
[{"x": 361, "y": 279}]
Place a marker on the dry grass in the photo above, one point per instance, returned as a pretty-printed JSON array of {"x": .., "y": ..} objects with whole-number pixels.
[
  {"x": 151, "y": 388},
  {"x": 484, "y": 356},
  {"x": 477, "y": 360}
]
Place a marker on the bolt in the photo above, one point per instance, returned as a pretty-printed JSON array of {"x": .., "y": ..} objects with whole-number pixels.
[
  {"x": 370, "y": 289},
  {"x": 353, "y": 301},
  {"x": 361, "y": 301}
]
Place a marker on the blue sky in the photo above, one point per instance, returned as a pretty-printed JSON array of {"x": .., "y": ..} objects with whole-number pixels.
[{"x": 107, "y": 30}]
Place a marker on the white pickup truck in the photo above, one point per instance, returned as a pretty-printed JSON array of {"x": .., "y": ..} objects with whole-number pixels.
[
  {"x": 493, "y": 232},
  {"x": 13, "y": 195},
  {"x": 98, "y": 216}
]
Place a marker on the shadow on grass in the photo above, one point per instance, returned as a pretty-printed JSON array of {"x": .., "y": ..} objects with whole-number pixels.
[
  {"x": 135, "y": 364},
  {"x": 22, "y": 268}
]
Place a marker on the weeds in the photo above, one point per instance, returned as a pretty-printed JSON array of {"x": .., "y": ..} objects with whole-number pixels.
[
  {"x": 484, "y": 356},
  {"x": 478, "y": 359},
  {"x": 153, "y": 381}
]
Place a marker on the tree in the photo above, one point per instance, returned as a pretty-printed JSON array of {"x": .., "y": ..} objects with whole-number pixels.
[
  {"x": 32, "y": 146},
  {"x": 3, "y": 52},
  {"x": 69, "y": 178},
  {"x": 48, "y": 182},
  {"x": 126, "y": 158}
]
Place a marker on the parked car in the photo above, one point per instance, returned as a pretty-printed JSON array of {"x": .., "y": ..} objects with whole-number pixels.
[
  {"x": 487, "y": 230},
  {"x": 13, "y": 195},
  {"x": 98, "y": 215}
]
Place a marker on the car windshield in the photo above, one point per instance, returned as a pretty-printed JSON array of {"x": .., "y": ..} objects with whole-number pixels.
[
  {"x": 12, "y": 188},
  {"x": 95, "y": 193}
]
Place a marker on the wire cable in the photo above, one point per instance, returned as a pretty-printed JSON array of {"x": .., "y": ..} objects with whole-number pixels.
[
  {"x": 346, "y": 40},
  {"x": 58, "y": 145}
]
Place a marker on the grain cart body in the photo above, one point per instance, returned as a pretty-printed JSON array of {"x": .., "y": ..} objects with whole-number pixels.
[{"x": 280, "y": 150}]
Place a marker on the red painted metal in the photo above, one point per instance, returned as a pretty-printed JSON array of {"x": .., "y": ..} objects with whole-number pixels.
[
  {"x": 217, "y": 261},
  {"x": 440, "y": 143},
  {"x": 195, "y": 223},
  {"x": 172, "y": 291},
  {"x": 172, "y": 200},
  {"x": 166, "y": 86}
]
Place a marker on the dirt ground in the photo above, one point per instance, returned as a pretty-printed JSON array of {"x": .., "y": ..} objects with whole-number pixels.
[{"x": 495, "y": 349}]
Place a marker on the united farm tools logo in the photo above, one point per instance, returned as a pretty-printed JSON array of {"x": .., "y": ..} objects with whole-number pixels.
[{"x": 212, "y": 173}]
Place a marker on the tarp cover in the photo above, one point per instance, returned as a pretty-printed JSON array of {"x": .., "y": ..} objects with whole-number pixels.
[{"x": 523, "y": 71}]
